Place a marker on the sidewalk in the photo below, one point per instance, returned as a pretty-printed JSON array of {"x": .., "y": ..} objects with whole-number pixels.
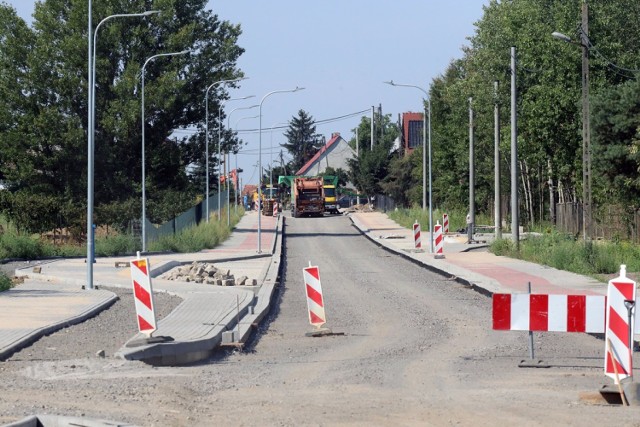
[
  {"x": 207, "y": 317},
  {"x": 54, "y": 298},
  {"x": 473, "y": 265}
]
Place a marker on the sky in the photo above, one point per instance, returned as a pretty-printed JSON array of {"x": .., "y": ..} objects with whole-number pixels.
[{"x": 341, "y": 52}]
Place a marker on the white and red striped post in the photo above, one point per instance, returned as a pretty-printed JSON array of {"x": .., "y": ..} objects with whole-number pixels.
[
  {"x": 143, "y": 295},
  {"x": 416, "y": 235},
  {"x": 439, "y": 240},
  {"x": 275, "y": 208},
  {"x": 445, "y": 223},
  {"x": 619, "y": 327},
  {"x": 315, "y": 301}
]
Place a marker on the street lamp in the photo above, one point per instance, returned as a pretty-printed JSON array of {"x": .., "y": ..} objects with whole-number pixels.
[
  {"x": 220, "y": 145},
  {"x": 236, "y": 153},
  {"x": 586, "y": 127},
  {"x": 260, "y": 160},
  {"x": 424, "y": 160},
  {"x": 227, "y": 153},
  {"x": 271, "y": 152},
  {"x": 91, "y": 132},
  {"x": 206, "y": 133},
  {"x": 144, "y": 212}
]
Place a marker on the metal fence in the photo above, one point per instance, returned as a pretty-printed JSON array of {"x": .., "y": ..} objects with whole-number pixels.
[
  {"x": 610, "y": 223},
  {"x": 190, "y": 218}
]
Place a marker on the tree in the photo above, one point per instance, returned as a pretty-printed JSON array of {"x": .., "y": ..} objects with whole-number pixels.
[
  {"x": 303, "y": 143},
  {"x": 43, "y": 150}
]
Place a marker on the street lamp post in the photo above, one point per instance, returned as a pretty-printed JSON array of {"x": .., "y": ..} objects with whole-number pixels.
[
  {"x": 236, "y": 153},
  {"x": 260, "y": 159},
  {"x": 222, "y": 104},
  {"x": 426, "y": 130},
  {"x": 91, "y": 130},
  {"x": 227, "y": 154},
  {"x": 206, "y": 133},
  {"x": 144, "y": 212},
  {"x": 271, "y": 152},
  {"x": 586, "y": 127}
]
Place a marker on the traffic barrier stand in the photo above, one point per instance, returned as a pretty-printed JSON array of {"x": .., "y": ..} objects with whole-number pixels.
[
  {"x": 416, "y": 235},
  {"x": 552, "y": 313},
  {"x": 439, "y": 241},
  {"x": 445, "y": 223},
  {"x": 621, "y": 301},
  {"x": 143, "y": 296},
  {"x": 315, "y": 302}
]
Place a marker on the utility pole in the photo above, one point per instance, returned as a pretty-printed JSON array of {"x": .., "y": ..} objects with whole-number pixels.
[
  {"x": 515, "y": 228},
  {"x": 496, "y": 159},
  {"x": 472, "y": 202},
  {"x": 586, "y": 126},
  {"x": 373, "y": 113}
]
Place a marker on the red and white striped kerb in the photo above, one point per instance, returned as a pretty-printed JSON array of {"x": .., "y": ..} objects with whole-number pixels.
[
  {"x": 618, "y": 327},
  {"x": 557, "y": 313},
  {"x": 143, "y": 294},
  {"x": 315, "y": 302},
  {"x": 416, "y": 235},
  {"x": 445, "y": 223},
  {"x": 439, "y": 240}
]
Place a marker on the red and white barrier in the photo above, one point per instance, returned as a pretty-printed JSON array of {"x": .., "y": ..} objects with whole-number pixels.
[
  {"x": 143, "y": 295},
  {"x": 275, "y": 209},
  {"x": 556, "y": 313},
  {"x": 439, "y": 240},
  {"x": 445, "y": 223},
  {"x": 619, "y": 327},
  {"x": 416, "y": 235},
  {"x": 315, "y": 302}
]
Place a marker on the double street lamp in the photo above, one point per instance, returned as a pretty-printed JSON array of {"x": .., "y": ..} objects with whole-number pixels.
[
  {"x": 91, "y": 107},
  {"x": 260, "y": 159},
  {"x": 227, "y": 154},
  {"x": 144, "y": 212},
  {"x": 206, "y": 133},
  {"x": 424, "y": 160}
]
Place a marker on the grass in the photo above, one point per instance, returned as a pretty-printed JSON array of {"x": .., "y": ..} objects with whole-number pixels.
[
  {"x": 597, "y": 259},
  {"x": 203, "y": 236},
  {"x": 457, "y": 220}
]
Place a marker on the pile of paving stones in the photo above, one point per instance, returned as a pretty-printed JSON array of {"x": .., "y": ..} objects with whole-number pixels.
[{"x": 207, "y": 273}]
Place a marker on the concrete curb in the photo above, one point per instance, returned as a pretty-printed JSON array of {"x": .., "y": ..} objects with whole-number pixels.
[
  {"x": 461, "y": 280},
  {"x": 36, "y": 334}
]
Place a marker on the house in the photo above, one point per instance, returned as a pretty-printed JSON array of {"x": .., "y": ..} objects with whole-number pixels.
[
  {"x": 334, "y": 154},
  {"x": 412, "y": 131}
]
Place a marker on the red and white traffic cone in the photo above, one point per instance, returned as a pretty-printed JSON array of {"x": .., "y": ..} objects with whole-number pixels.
[
  {"x": 439, "y": 240},
  {"x": 416, "y": 235}
]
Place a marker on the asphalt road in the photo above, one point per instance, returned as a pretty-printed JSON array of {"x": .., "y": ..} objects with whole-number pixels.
[{"x": 410, "y": 348}]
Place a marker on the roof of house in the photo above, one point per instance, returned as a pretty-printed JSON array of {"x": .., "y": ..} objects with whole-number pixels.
[{"x": 321, "y": 151}]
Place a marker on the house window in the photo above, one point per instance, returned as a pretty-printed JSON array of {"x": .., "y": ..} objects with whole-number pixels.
[{"x": 415, "y": 133}]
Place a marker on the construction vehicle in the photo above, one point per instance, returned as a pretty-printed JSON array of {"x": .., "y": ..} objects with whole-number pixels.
[
  {"x": 307, "y": 196},
  {"x": 330, "y": 194}
]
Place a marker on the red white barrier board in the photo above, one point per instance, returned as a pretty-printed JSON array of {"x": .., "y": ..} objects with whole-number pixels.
[
  {"x": 554, "y": 313},
  {"x": 619, "y": 327},
  {"x": 445, "y": 223},
  {"x": 143, "y": 295},
  {"x": 315, "y": 301}
]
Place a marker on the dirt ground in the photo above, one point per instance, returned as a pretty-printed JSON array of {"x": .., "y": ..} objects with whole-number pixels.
[{"x": 410, "y": 348}]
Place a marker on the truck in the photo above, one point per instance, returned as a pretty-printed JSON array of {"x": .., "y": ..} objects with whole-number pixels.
[
  {"x": 330, "y": 194},
  {"x": 307, "y": 196}
]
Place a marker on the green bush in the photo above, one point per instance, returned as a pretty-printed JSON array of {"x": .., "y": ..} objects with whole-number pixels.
[{"x": 5, "y": 282}]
